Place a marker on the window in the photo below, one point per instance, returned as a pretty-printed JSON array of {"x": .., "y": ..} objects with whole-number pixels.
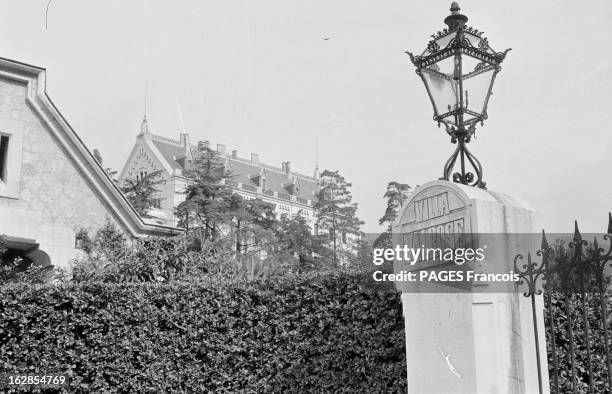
[
  {"x": 263, "y": 183},
  {"x": 4, "y": 141},
  {"x": 11, "y": 149}
]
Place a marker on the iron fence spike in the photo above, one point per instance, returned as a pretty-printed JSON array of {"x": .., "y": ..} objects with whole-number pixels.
[
  {"x": 609, "y": 222},
  {"x": 577, "y": 236},
  {"x": 544, "y": 245}
]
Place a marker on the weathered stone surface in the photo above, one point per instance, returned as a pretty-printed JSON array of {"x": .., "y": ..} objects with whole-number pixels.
[
  {"x": 54, "y": 199},
  {"x": 468, "y": 340}
]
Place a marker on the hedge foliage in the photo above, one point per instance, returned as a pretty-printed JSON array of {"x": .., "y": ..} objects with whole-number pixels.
[
  {"x": 559, "y": 305},
  {"x": 315, "y": 333}
]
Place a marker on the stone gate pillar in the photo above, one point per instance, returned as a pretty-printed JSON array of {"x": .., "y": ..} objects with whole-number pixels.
[{"x": 475, "y": 338}]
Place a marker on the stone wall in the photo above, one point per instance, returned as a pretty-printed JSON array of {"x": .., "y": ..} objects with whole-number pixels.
[{"x": 54, "y": 199}]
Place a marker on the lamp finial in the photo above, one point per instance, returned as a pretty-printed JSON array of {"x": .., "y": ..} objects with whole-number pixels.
[{"x": 455, "y": 20}]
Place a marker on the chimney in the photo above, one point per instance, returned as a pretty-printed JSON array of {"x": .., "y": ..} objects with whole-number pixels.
[
  {"x": 286, "y": 167},
  {"x": 185, "y": 142},
  {"x": 254, "y": 158},
  {"x": 234, "y": 153},
  {"x": 221, "y": 149}
]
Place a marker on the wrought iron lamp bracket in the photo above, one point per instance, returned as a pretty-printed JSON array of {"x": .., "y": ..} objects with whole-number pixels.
[{"x": 462, "y": 136}]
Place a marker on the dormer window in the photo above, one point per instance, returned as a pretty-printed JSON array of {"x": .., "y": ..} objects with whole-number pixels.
[
  {"x": 4, "y": 145},
  {"x": 263, "y": 183},
  {"x": 290, "y": 187}
]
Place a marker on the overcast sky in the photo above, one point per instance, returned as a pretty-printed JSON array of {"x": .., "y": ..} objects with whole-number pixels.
[{"x": 259, "y": 76}]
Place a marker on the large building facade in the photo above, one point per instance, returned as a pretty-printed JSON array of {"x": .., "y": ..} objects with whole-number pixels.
[{"x": 291, "y": 193}]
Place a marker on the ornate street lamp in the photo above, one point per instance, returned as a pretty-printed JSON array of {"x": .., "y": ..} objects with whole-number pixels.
[{"x": 458, "y": 68}]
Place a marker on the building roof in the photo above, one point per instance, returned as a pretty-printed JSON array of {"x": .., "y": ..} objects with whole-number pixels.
[
  {"x": 251, "y": 174},
  {"x": 245, "y": 171},
  {"x": 170, "y": 150}
]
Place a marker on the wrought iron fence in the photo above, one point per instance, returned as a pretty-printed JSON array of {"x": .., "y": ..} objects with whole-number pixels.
[{"x": 577, "y": 300}]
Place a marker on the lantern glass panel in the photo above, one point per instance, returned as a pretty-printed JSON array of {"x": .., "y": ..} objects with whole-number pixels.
[
  {"x": 443, "y": 89},
  {"x": 480, "y": 43},
  {"x": 445, "y": 40},
  {"x": 468, "y": 65},
  {"x": 473, "y": 39},
  {"x": 441, "y": 43},
  {"x": 448, "y": 67},
  {"x": 476, "y": 87}
]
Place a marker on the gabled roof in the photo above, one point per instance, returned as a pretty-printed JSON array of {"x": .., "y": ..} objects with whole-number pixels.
[
  {"x": 100, "y": 182},
  {"x": 171, "y": 151}
]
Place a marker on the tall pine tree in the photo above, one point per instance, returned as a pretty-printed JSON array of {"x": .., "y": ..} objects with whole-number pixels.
[
  {"x": 215, "y": 211},
  {"x": 336, "y": 213},
  {"x": 143, "y": 192},
  {"x": 253, "y": 223},
  {"x": 207, "y": 195},
  {"x": 396, "y": 194}
]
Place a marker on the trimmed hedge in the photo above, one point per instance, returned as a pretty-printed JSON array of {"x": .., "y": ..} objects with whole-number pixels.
[
  {"x": 316, "y": 333},
  {"x": 562, "y": 340}
]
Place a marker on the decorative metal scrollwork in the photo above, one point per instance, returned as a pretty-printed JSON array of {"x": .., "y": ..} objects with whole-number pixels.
[
  {"x": 481, "y": 66},
  {"x": 475, "y": 32},
  {"x": 483, "y": 45},
  {"x": 440, "y": 33},
  {"x": 532, "y": 273},
  {"x": 462, "y": 137},
  {"x": 433, "y": 46},
  {"x": 567, "y": 275}
]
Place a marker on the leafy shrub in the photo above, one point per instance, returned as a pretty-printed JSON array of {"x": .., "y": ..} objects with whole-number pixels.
[
  {"x": 109, "y": 258},
  {"x": 312, "y": 333},
  {"x": 596, "y": 323}
]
